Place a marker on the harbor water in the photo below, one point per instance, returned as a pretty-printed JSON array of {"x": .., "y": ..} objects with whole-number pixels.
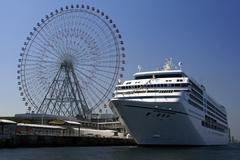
[{"x": 229, "y": 152}]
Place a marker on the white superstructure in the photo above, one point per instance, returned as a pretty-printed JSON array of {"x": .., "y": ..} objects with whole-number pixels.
[{"x": 167, "y": 107}]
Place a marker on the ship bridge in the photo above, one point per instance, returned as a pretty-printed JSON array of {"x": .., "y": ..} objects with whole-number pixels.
[{"x": 159, "y": 74}]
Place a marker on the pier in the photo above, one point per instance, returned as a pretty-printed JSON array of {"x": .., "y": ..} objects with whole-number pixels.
[{"x": 13, "y": 135}]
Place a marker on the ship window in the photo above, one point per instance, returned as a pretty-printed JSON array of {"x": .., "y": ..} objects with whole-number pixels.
[
  {"x": 176, "y": 91},
  {"x": 144, "y": 77},
  {"x": 196, "y": 87},
  {"x": 195, "y": 105},
  {"x": 184, "y": 84},
  {"x": 147, "y": 114},
  {"x": 177, "y": 85},
  {"x": 159, "y": 76},
  {"x": 168, "y": 75},
  {"x": 158, "y": 114}
]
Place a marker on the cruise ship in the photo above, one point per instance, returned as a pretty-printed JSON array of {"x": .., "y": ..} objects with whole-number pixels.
[{"x": 167, "y": 107}]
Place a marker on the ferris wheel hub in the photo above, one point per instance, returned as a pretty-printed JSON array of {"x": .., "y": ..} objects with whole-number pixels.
[{"x": 67, "y": 64}]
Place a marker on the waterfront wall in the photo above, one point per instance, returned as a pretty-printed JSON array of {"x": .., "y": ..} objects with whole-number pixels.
[{"x": 60, "y": 141}]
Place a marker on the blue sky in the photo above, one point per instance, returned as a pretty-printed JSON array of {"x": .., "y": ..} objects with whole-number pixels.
[{"x": 204, "y": 35}]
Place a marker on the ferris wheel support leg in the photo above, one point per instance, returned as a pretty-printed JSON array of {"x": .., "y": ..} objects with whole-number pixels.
[
  {"x": 53, "y": 85},
  {"x": 83, "y": 101}
]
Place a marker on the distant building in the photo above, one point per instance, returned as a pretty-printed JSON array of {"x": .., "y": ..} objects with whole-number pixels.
[{"x": 234, "y": 140}]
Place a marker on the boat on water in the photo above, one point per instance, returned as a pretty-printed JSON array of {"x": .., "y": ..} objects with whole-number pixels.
[{"x": 167, "y": 107}]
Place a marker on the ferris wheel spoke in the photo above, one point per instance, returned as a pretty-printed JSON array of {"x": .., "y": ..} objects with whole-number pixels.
[
  {"x": 94, "y": 65},
  {"x": 83, "y": 74},
  {"x": 92, "y": 79},
  {"x": 32, "y": 67},
  {"x": 110, "y": 61},
  {"x": 108, "y": 46},
  {"x": 51, "y": 34},
  {"x": 34, "y": 79},
  {"x": 41, "y": 61},
  {"x": 108, "y": 56},
  {"x": 105, "y": 71},
  {"x": 91, "y": 99},
  {"x": 82, "y": 53},
  {"x": 90, "y": 30},
  {"x": 33, "y": 75},
  {"x": 37, "y": 87},
  {"x": 37, "y": 58},
  {"x": 50, "y": 46},
  {"x": 103, "y": 48},
  {"x": 104, "y": 53},
  {"x": 66, "y": 31},
  {"x": 98, "y": 86},
  {"x": 44, "y": 48},
  {"x": 39, "y": 55},
  {"x": 43, "y": 40},
  {"x": 71, "y": 33},
  {"x": 95, "y": 73},
  {"x": 56, "y": 39},
  {"x": 94, "y": 97},
  {"x": 94, "y": 91},
  {"x": 101, "y": 26}
]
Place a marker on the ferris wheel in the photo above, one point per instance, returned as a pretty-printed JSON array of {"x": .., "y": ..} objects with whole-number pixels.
[{"x": 70, "y": 62}]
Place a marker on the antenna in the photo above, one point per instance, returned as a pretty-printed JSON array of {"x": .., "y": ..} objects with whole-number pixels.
[
  {"x": 119, "y": 81},
  {"x": 180, "y": 65},
  {"x": 139, "y": 68}
]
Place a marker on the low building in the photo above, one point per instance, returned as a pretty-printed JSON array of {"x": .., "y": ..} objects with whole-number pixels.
[{"x": 7, "y": 128}]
